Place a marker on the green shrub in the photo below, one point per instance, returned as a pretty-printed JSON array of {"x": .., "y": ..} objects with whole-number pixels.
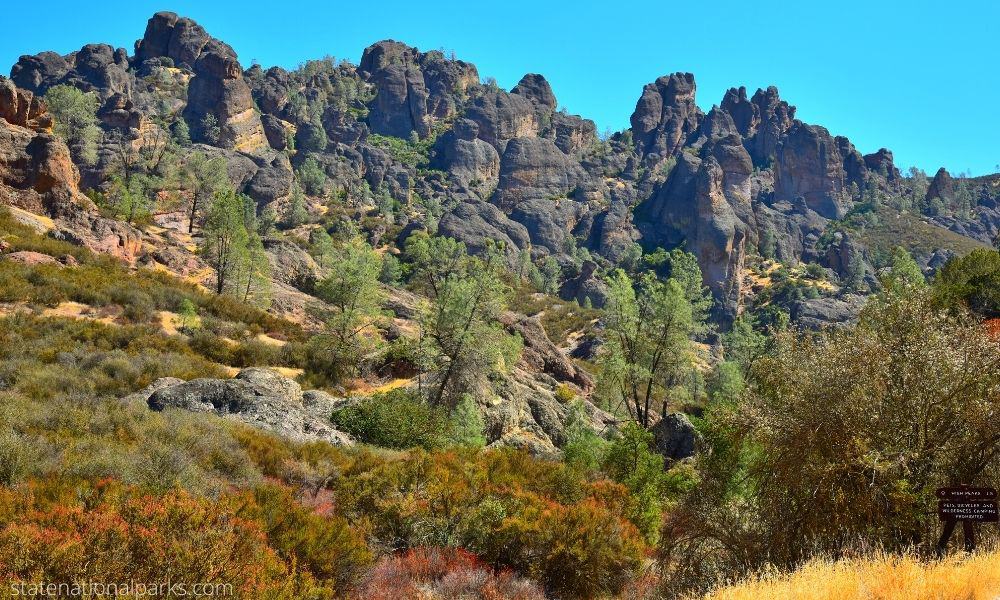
[{"x": 397, "y": 419}]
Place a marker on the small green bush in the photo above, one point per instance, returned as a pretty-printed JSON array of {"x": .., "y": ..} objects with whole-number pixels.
[{"x": 398, "y": 419}]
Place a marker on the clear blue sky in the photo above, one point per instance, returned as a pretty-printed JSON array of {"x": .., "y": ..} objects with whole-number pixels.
[{"x": 921, "y": 78}]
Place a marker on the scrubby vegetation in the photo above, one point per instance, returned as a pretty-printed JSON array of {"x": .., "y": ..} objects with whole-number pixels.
[{"x": 878, "y": 576}]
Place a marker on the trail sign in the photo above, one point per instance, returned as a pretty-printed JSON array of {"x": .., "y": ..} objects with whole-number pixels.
[
  {"x": 968, "y": 510},
  {"x": 966, "y": 493},
  {"x": 966, "y": 504}
]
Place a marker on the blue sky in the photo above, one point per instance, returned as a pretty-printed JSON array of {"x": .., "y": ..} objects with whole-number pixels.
[{"x": 921, "y": 78}]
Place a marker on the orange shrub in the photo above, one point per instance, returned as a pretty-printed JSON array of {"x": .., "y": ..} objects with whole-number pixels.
[
  {"x": 442, "y": 573},
  {"x": 262, "y": 543}
]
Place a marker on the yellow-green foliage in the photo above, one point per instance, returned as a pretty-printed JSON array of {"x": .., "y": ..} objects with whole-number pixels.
[{"x": 104, "y": 281}]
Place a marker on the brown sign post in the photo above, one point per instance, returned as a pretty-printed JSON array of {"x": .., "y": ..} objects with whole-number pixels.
[{"x": 968, "y": 505}]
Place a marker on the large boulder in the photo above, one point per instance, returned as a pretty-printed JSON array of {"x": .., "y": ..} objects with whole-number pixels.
[
  {"x": 414, "y": 90},
  {"x": 675, "y": 437},
  {"x": 255, "y": 396},
  {"x": 814, "y": 165},
  {"x": 502, "y": 117},
  {"x": 819, "y": 313},
  {"x": 534, "y": 168},
  {"x": 467, "y": 158}
]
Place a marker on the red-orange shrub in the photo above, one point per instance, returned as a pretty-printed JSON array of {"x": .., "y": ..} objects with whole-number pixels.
[{"x": 442, "y": 573}]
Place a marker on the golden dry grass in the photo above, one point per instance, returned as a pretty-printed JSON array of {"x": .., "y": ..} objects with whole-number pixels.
[{"x": 881, "y": 577}]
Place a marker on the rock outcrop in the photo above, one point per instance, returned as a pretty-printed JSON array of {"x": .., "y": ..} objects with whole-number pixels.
[
  {"x": 819, "y": 313},
  {"x": 586, "y": 288},
  {"x": 468, "y": 159},
  {"x": 37, "y": 174},
  {"x": 178, "y": 38},
  {"x": 675, "y": 437},
  {"x": 257, "y": 397},
  {"x": 541, "y": 355},
  {"x": 818, "y": 167},
  {"x": 97, "y": 68},
  {"x": 502, "y": 117},
  {"x": 415, "y": 89},
  {"x": 218, "y": 89},
  {"x": 666, "y": 115}
]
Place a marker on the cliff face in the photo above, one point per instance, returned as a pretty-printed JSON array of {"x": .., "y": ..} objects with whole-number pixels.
[
  {"x": 505, "y": 165},
  {"x": 37, "y": 174}
]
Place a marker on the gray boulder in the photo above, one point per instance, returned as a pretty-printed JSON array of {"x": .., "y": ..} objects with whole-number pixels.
[
  {"x": 257, "y": 397},
  {"x": 819, "y": 313},
  {"x": 675, "y": 437}
]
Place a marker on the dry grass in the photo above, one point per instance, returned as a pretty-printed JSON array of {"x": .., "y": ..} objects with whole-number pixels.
[{"x": 881, "y": 577}]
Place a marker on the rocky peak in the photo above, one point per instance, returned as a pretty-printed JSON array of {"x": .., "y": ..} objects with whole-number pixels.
[
  {"x": 177, "y": 38},
  {"x": 386, "y": 53},
  {"x": 745, "y": 114},
  {"x": 776, "y": 117},
  {"x": 881, "y": 163},
  {"x": 942, "y": 186},
  {"x": 414, "y": 89},
  {"x": 666, "y": 115},
  {"x": 534, "y": 87}
]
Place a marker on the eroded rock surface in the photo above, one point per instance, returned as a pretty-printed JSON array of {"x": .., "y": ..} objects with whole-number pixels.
[{"x": 255, "y": 396}]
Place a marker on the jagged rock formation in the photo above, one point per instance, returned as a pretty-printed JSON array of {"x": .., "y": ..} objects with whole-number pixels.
[
  {"x": 415, "y": 89},
  {"x": 37, "y": 174},
  {"x": 217, "y": 88},
  {"x": 666, "y": 116},
  {"x": 747, "y": 167},
  {"x": 505, "y": 165}
]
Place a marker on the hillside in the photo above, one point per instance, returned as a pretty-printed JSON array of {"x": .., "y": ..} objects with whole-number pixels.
[{"x": 387, "y": 330}]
